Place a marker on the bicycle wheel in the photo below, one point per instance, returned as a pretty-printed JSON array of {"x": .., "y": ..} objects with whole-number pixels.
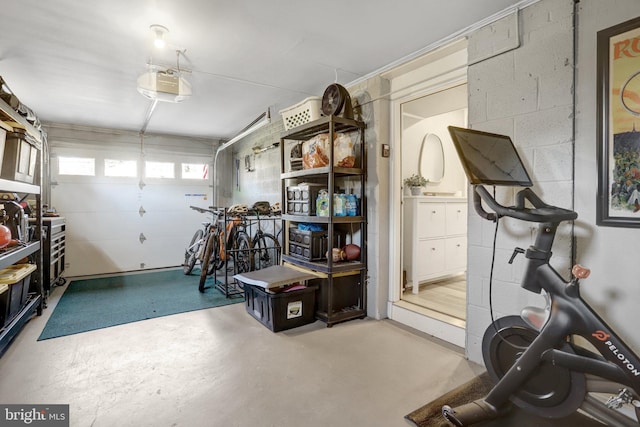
[
  {"x": 241, "y": 253},
  {"x": 551, "y": 391},
  {"x": 215, "y": 261},
  {"x": 191, "y": 253},
  {"x": 266, "y": 251},
  {"x": 206, "y": 257}
]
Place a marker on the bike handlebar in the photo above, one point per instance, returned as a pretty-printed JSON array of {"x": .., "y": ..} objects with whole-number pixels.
[{"x": 541, "y": 211}]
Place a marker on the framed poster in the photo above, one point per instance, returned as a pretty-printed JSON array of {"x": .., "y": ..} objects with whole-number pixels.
[{"x": 618, "y": 100}]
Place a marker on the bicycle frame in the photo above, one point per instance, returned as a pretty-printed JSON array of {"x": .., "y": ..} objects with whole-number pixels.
[{"x": 195, "y": 250}]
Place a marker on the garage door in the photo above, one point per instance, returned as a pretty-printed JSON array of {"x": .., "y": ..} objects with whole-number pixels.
[{"x": 127, "y": 206}]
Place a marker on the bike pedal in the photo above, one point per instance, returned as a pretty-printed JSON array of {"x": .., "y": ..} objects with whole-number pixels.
[{"x": 616, "y": 402}]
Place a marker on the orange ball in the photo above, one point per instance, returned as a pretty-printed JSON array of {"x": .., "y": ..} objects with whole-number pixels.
[{"x": 5, "y": 236}]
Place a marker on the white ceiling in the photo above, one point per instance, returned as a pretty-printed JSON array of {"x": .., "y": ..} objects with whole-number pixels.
[{"x": 77, "y": 62}]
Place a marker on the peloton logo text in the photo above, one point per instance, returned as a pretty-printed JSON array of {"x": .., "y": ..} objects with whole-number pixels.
[{"x": 603, "y": 336}]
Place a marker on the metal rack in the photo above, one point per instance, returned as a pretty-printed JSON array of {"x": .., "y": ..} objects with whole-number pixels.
[
  {"x": 251, "y": 224},
  {"x": 10, "y": 119},
  {"x": 342, "y": 285}
]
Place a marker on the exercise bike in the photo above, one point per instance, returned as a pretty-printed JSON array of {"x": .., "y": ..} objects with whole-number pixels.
[{"x": 534, "y": 359}]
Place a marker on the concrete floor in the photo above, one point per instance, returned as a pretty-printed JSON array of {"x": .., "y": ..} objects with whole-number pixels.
[{"x": 221, "y": 367}]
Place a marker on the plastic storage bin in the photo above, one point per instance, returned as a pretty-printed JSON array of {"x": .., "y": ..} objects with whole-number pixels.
[
  {"x": 20, "y": 157},
  {"x": 301, "y": 199},
  {"x": 17, "y": 277},
  {"x": 4, "y": 303},
  {"x": 303, "y": 112},
  {"x": 281, "y": 311},
  {"x": 306, "y": 244}
]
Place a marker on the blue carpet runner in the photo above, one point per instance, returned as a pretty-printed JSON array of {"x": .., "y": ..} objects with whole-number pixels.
[{"x": 91, "y": 304}]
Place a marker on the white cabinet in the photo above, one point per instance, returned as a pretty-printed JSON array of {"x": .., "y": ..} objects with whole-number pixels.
[{"x": 434, "y": 238}]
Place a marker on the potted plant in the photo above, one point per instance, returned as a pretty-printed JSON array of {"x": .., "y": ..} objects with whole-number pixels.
[{"x": 415, "y": 182}]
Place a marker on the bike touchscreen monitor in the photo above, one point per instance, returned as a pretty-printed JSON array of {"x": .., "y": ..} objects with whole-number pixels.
[{"x": 489, "y": 158}]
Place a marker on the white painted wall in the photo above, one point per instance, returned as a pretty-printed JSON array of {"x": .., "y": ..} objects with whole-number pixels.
[
  {"x": 611, "y": 253},
  {"x": 372, "y": 98},
  {"x": 453, "y": 180},
  {"x": 525, "y": 92},
  {"x": 262, "y": 182},
  {"x": 528, "y": 93}
]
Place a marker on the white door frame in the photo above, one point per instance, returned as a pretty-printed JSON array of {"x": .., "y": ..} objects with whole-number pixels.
[{"x": 397, "y": 309}]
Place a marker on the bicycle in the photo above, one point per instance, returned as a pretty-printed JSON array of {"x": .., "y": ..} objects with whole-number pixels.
[
  {"x": 534, "y": 359},
  {"x": 230, "y": 241},
  {"x": 194, "y": 251},
  {"x": 266, "y": 248}
]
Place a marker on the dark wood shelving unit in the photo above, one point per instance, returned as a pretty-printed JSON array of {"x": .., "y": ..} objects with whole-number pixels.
[
  {"x": 35, "y": 302},
  {"x": 342, "y": 293}
]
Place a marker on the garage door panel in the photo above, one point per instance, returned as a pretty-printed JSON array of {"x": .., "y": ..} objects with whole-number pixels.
[
  {"x": 173, "y": 197},
  {"x": 88, "y": 197},
  {"x": 160, "y": 253},
  {"x": 104, "y": 220},
  {"x": 86, "y": 258},
  {"x": 103, "y": 226}
]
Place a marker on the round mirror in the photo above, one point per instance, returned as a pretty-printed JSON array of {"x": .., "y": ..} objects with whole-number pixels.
[{"x": 432, "y": 158}]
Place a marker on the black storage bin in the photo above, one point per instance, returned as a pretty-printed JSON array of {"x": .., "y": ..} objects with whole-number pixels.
[
  {"x": 18, "y": 278},
  {"x": 4, "y": 303},
  {"x": 283, "y": 310},
  {"x": 301, "y": 199},
  {"x": 310, "y": 245}
]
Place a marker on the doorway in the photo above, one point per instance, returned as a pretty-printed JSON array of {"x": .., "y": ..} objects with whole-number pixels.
[
  {"x": 431, "y": 285},
  {"x": 434, "y": 225}
]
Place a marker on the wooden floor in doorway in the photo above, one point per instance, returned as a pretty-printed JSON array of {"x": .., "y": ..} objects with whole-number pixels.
[{"x": 445, "y": 296}]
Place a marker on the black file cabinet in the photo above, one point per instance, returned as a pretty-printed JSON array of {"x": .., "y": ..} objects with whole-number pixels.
[{"x": 53, "y": 251}]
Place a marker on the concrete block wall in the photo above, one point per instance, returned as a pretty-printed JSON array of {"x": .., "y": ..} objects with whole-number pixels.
[
  {"x": 610, "y": 252},
  {"x": 526, "y": 93},
  {"x": 373, "y": 107},
  {"x": 260, "y": 184}
]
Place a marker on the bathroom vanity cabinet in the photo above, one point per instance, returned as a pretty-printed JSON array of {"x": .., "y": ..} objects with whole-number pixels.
[{"x": 434, "y": 238}]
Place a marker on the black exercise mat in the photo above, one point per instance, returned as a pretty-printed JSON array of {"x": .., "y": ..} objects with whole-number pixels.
[{"x": 430, "y": 415}]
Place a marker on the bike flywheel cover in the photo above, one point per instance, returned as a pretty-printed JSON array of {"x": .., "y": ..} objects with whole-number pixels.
[{"x": 551, "y": 391}]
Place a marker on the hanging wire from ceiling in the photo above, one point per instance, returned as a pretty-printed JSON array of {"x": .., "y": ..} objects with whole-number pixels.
[
  {"x": 141, "y": 183},
  {"x": 147, "y": 117}
]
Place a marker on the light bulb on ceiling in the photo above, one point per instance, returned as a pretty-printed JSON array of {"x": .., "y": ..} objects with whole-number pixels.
[{"x": 159, "y": 32}]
